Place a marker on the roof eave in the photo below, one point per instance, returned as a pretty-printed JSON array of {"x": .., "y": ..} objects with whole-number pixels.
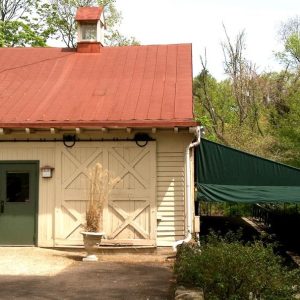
[{"x": 101, "y": 124}]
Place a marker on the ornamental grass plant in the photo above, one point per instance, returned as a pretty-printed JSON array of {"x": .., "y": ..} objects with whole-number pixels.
[
  {"x": 231, "y": 270},
  {"x": 101, "y": 183}
]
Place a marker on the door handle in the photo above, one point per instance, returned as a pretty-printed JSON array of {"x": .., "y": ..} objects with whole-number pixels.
[{"x": 2, "y": 207}]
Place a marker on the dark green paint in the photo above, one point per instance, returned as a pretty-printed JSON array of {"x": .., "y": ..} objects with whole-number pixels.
[
  {"x": 18, "y": 220},
  {"x": 226, "y": 174}
]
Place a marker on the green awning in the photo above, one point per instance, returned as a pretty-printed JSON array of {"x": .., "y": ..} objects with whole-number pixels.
[{"x": 227, "y": 174}]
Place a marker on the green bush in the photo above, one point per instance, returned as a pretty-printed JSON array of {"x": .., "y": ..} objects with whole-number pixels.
[
  {"x": 225, "y": 209},
  {"x": 226, "y": 269}
]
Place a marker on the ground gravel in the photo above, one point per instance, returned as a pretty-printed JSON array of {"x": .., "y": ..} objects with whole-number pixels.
[
  {"x": 33, "y": 261},
  {"x": 49, "y": 262}
]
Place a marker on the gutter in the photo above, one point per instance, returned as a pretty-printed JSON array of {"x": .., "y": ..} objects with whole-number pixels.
[{"x": 188, "y": 190}]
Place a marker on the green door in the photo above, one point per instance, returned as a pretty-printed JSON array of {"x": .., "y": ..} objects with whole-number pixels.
[{"x": 18, "y": 202}]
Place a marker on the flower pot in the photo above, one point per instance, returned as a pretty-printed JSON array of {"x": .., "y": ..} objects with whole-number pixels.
[{"x": 91, "y": 243}]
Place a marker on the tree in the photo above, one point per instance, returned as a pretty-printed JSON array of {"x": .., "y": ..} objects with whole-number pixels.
[
  {"x": 20, "y": 24},
  {"x": 14, "y": 9},
  {"x": 255, "y": 112},
  {"x": 115, "y": 38},
  {"x": 244, "y": 79},
  {"x": 60, "y": 16},
  {"x": 284, "y": 90},
  {"x": 214, "y": 103},
  {"x": 236, "y": 111},
  {"x": 289, "y": 34},
  {"x": 285, "y": 95},
  {"x": 32, "y": 22},
  {"x": 17, "y": 33},
  {"x": 242, "y": 93}
]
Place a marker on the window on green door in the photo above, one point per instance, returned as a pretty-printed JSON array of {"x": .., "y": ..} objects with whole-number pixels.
[{"x": 17, "y": 187}]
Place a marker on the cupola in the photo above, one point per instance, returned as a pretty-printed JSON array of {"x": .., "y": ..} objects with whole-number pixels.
[{"x": 90, "y": 32}]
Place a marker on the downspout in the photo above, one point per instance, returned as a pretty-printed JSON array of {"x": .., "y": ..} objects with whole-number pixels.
[{"x": 188, "y": 189}]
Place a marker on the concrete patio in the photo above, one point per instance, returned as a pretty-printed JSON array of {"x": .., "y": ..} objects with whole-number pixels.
[{"x": 35, "y": 273}]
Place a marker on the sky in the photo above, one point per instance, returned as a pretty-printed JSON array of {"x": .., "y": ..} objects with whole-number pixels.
[{"x": 200, "y": 22}]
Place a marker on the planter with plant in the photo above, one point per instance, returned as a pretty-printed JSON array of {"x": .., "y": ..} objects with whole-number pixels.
[{"x": 101, "y": 183}]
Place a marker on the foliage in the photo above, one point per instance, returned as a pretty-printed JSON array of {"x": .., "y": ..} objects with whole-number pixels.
[
  {"x": 33, "y": 22},
  {"x": 217, "y": 109},
  {"x": 214, "y": 104},
  {"x": 225, "y": 209},
  {"x": 285, "y": 118},
  {"x": 14, "y": 9},
  {"x": 101, "y": 183},
  {"x": 115, "y": 38},
  {"x": 225, "y": 268},
  {"x": 251, "y": 111},
  {"x": 289, "y": 34},
  {"x": 17, "y": 33},
  {"x": 60, "y": 16},
  {"x": 21, "y": 25},
  {"x": 236, "y": 101}
]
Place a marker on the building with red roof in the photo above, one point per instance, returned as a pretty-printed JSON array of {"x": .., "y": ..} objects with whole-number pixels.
[{"x": 64, "y": 110}]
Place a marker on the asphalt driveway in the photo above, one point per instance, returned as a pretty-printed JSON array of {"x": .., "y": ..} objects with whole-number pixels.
[{"x": 119, "y": 277}]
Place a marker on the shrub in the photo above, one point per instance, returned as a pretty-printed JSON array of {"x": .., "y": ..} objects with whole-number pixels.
[
  {"x": 225, "y": 209},
  {"x": 227, "y": 269}
]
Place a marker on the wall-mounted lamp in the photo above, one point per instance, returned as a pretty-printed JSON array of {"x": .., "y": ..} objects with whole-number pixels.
[
  {"x": 142, "y": 139},
  {"x": 47, "y": 171},
  {"x": 69, "y": 140}
]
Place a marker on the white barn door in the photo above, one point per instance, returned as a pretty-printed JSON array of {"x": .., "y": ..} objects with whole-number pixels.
[{"x": 130, "y": 214}]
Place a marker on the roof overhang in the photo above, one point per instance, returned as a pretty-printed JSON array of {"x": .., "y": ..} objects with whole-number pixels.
[{"x": 101, "y": 124}]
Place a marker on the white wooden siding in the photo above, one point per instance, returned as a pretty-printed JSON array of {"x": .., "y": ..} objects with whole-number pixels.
[
  {"x": 171, "y": 187},
  {"x": 60, "y": 211},
  {"x": 45, "y": 154}
]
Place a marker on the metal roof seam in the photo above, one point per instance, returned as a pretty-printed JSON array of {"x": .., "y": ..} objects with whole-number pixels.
[
  {"x": 112, "y": 107},
  {"x": 100, "y": 105},
  {"x": 142, "y": 106},
  {"x": 46, "y": 104},
  {"x": 75, "y": 112},
  {"x": 118, "y": 67},
  {"x": 147, "y": 116},
  {"x": 9, "y": 99},
  {"x": 164, "y": 88},
  {"x": 84, "y": 108},
  {"x": 41, "y": 88},
  {"x": 37, "y": 62},
  {"x": 136, "y": 82},
  {"x": 140, "y": 89},
  {"x": 11, "y": 104},
  {"x": 175, "y": 95},
  {"x": 130, "y": 85}
]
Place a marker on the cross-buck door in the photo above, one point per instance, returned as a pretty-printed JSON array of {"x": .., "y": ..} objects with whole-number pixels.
[{"x": 130, "y": 213}]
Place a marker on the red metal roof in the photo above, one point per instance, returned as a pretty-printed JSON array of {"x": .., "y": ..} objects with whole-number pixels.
[
  {"x": 88, "y": 13},
  {"x": 134, "y": 86}
]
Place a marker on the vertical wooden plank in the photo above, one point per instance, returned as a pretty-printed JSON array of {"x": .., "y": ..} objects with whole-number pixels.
[
  {"x": 130, "y": 233},
  {"x": 57, "y": 222},
  {"x": 153, "y": 202},
  {"x": 106, "y": 214}
]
